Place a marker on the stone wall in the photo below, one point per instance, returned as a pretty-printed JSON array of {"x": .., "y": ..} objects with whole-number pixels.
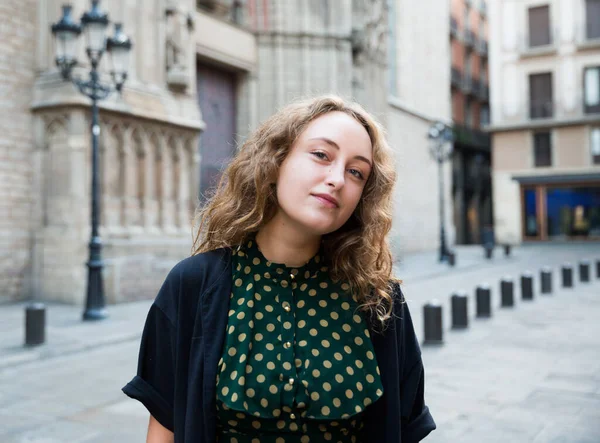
[{"x": 17, "y": 74}]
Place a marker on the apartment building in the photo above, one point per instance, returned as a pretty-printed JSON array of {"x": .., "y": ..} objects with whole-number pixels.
[
  {"x": 545, "y": 95},
  {"x": 471, "y": 172}
]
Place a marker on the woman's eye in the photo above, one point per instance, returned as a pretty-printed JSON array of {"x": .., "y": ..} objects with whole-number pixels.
[
  {"x": 320, "y": 155},
  {"x": 356, "y": 173}
]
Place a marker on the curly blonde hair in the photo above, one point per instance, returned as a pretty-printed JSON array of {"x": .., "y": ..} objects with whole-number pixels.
[{"x": 245, "y": 200}]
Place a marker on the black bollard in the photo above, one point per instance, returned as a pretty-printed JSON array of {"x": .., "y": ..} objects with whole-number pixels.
[
  {"x": 460, "y": 313},
  {"x": 506, "y": 250},
  {"x": 597, "y": 268},
  {"x": 567, "y": 275},
  {"x": 584, "y": 271},
  {"x": 527, "y": 286},
  {"x": 452, "y": 258},
  {"x": 507, "y": 298},
  {"x": 35, "y": 324},
  {"x": 546, "y": 279},
  {"x": 483, "y": 299},
  {"x": 489, "y": 250},
  {"x": 432, "y": 315}
]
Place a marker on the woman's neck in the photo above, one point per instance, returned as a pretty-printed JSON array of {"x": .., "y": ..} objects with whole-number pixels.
[{"x": 280, "y": 243}]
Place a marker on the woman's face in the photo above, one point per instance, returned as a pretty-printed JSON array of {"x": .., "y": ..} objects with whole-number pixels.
[{"x": 330, "y": 160}]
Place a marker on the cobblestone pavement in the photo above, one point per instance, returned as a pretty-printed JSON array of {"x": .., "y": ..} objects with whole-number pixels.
[{"x": 528, "y": 374}]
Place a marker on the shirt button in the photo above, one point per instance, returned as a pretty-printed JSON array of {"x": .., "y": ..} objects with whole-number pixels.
[
  {"x": 293, "y": 416},
  {"x": 286, "y": 307},
  {"x": 287, "y": 345},
  {"x": 292, "y": 276},
  {"x": 291, "y": 381}
]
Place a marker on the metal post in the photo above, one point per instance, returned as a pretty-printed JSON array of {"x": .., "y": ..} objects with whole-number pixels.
[
  {"x": 452, "y": 258},
  {"x": 483, "y": 300},
  {"x": 567, "y": 275},
  {"x": 432, "y": 315},
  {"x": 443, "y": 247},
  {"x": 597, "y": 268},
  {"x": 94, "y": 308},
  {"x": 506, "y": 250},
  {"x": 546, "y": 279},
  {"x": 527, "y": 286},
  {"x": 460, "y": 313},
  {"x": 35, "y": 324},
  {"x": 507, "y": 298},
  {"x": 584, "y": 271}
]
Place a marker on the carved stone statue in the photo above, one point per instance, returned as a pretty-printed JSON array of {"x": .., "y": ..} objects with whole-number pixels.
[{"x": 180, "y": 25}]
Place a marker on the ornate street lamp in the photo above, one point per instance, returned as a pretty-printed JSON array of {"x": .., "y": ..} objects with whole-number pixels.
[
  {"x": 441, "y": 137},
  {"x": 66, "y": 32}
]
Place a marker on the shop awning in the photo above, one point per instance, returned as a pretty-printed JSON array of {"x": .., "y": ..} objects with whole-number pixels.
[{"x": 554, "y": 179}]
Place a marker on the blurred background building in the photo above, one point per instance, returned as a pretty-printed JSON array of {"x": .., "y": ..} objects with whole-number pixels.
[
  {"x": 203, "y": 74},
  {"x": 545, "y": 90},
  {"x": 471, "y": 172}
]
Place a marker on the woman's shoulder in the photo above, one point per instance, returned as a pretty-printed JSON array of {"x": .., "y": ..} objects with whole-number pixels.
[
  {"x": 201, "y": 266},
  {"x": 190, "y": 277}
]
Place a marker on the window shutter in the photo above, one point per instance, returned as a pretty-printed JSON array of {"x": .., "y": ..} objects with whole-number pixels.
[{"x": 539, "y": 26}]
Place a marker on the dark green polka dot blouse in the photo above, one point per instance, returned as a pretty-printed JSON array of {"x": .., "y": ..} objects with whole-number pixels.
[{"x": 298, "y": 364}]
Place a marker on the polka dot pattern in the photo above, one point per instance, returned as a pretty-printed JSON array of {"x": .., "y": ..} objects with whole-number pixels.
[{"x": 298, "y": 363}]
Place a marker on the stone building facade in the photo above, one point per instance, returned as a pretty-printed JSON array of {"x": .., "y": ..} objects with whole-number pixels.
[{"x": 203, "y": 73}]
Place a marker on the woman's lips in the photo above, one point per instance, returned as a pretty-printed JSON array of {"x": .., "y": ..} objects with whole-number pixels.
[{"x": 325, "y": 202}]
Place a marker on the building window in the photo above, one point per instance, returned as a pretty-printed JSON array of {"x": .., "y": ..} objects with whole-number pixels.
[
  {"x": 542, "y": 150},
  {"x": 592, "y": 89},
  {"x": 595, "y": 145},
  {"x": 540, "y": 95},
  {"x": 592, "y": 19},
  {"x": 539, "y": 26}
]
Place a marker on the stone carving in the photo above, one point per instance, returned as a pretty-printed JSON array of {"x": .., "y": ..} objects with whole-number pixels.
[
  {"x": 369, "y": 31},
  {"x": 180, "y": 26}
]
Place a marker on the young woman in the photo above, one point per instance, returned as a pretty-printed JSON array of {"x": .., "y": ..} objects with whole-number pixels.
[{"x": 286, "y": 325}]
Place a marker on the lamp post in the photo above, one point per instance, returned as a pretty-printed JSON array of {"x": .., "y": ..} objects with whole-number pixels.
[
  {"x": 66, "y": 32},
  {"x": 441, "y": 136}
]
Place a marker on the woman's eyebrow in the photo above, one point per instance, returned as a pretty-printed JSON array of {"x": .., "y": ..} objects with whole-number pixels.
[{"x": 336, "y": 146}]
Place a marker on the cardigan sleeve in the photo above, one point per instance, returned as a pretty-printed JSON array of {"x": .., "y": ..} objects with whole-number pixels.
[
  {"x": 416, "y": 420},
  {"x": 153, "y": 385}
]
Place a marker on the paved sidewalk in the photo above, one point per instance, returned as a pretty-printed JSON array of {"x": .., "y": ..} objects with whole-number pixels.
[{"x": 531, "y": 373}]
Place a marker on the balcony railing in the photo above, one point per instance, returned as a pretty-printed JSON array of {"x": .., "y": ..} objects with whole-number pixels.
[
  {"x": 482, "y": 47},
  {"x": 541, "y": 109},
  {"x": 469, "y": 136},
  {"x": 469, "y": 38},
  {"x": 456, "y": 77},
  {"x": 467, "y": 84},
  {"x": 454, "y": 27},
  {"x": 475, "y": 87},
  {"x": 483, "y": 92}
]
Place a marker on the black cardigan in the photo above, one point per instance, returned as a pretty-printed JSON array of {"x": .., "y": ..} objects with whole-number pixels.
[{"x": 183, "y": 339}]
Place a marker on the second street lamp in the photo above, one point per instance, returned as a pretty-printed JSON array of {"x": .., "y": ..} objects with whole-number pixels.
[
  {"x": 94, "y": 23},
  {"x": 441, "y": 137}
]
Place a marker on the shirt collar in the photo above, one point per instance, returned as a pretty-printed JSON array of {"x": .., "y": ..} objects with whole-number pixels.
[{"x": 252, "y": 256}]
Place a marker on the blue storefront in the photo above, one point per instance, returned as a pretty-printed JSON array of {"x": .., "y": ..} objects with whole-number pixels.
[{"x": 560, "y": 207}]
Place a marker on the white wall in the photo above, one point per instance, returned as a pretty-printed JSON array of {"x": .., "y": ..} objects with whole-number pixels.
[{"x": 421, "y": 83}]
